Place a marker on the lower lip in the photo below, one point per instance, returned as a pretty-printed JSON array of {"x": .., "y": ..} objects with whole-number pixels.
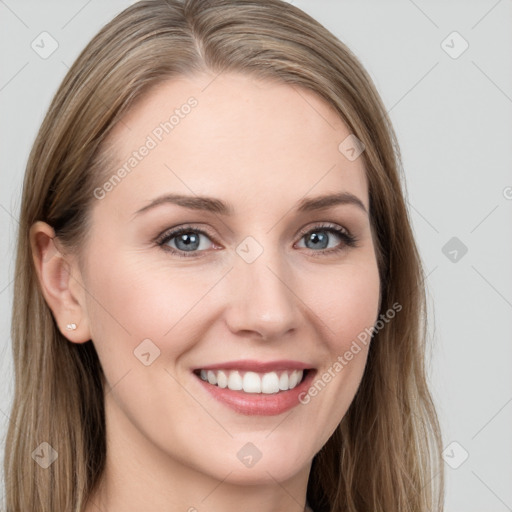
[{"x": 259, "y": 404}]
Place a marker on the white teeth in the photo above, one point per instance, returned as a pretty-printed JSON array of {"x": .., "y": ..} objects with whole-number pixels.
[
  {"x": 270, "y": 383},
  {"x": 252, "y": 382},
  {"x": 235, "y": 381},
  {"x": 283, "y": 381},
  {"x": 222, "y": 379},
  {"x": 292, "y": 382}
]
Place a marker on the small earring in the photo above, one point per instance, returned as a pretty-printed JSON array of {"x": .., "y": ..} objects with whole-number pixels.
[{"x": 71, "y": 327}]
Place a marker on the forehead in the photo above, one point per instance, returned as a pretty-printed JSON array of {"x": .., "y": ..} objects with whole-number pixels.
[{"x": 247, "y": 140}]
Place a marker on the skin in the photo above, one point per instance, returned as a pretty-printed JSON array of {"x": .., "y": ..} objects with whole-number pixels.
[{"x": 262, "y": 147}]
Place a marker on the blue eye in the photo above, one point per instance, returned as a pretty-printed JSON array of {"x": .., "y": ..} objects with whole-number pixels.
[
  {"x": 317, "y": 238},
  {"x": 187, "y": 240}
]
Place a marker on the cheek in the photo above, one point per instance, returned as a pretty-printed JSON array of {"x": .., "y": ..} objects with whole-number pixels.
[
  {"x": 347, "y": 302},
  {"x": 347, "y": 309},
  {"x": 130, "y": 300}
]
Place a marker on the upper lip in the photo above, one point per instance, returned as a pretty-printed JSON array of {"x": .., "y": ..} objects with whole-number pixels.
[{"x": 258, "y": 366}]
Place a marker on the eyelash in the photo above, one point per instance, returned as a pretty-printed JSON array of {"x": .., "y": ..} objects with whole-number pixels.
[{"x": 348, "y": 239}]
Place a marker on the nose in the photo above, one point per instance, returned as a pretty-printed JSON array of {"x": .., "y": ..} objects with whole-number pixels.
[{"x": 263, "y": 301}]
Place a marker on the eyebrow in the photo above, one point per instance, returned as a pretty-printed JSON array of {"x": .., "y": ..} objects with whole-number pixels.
[{"x": 213, "y": 205}]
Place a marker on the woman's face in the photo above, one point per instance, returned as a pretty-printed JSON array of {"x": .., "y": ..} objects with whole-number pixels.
[{"x": 253, "y": 280}]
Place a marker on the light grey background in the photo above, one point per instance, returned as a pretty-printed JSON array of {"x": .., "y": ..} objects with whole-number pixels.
[{"x": 453, "y": 120}]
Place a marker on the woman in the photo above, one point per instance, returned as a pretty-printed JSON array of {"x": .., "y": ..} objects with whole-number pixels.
[{"x": 218, "y": 298}]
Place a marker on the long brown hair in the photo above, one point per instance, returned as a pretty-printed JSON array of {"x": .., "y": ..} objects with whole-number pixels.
[{"x": 385, "y": 454}]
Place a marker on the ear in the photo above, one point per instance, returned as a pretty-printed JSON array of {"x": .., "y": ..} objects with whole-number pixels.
[{"x": 61, "y": 282}]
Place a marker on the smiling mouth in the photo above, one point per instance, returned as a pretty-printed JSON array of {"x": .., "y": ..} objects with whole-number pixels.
[{"x": 267, "y": 383}]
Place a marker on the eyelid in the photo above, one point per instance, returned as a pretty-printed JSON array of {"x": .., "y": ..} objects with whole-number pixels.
[
  {"x": 171, "y": 233},
  {"x": 348, "y": 240},
  {"x": 323, "y": 225}
]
